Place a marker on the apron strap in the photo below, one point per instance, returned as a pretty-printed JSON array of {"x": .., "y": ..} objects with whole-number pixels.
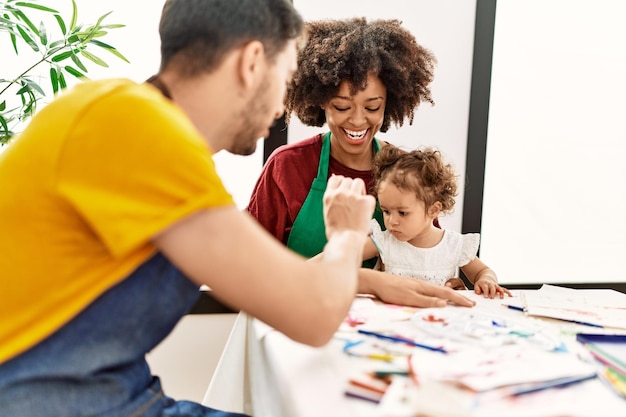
[
  {"x": 308, "y": 234},
  {"x": 322, "y": 168}
]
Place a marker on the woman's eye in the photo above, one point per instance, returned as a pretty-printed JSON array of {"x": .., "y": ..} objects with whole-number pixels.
[
  {"x": 341, "y": 108},
  {"x": 373, "y": 110}
]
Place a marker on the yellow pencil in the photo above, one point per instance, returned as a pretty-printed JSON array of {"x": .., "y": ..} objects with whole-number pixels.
[
  {"x": 381, "y": 357},
  {"x": 617, "y": 380}
]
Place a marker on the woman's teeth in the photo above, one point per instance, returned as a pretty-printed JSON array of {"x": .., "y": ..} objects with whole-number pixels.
[{"x": 355, "y": 134}]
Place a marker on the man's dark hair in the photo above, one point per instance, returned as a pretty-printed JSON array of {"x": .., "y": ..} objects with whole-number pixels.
[{"x": 196, "y": 34}]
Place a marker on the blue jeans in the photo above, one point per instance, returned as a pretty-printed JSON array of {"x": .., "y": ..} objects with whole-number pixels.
[{"x": 95, "y": 365}]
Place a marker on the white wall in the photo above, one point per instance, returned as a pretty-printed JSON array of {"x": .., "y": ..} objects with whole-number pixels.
[
  {"x": 138, "y": 41},
  {"x": 187, "y": 359},
  {"x": 445, "y": 27}
]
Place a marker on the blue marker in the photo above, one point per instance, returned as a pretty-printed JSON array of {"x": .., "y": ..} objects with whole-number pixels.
[{"x": 402, "y": 340}]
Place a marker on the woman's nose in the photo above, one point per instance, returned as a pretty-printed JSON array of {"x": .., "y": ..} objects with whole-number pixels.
[{"x": 357, "y": 118}]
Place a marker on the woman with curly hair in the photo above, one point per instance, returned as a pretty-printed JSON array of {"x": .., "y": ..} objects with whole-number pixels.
[
  {"x": 358, "y": 77},
  {"x": 414, "y": 188}
]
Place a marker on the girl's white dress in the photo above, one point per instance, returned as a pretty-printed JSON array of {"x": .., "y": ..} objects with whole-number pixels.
[{"x": 435, "y": 265}]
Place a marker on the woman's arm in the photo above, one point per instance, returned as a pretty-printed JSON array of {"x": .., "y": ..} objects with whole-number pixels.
[{"x": 394, "y": 289}]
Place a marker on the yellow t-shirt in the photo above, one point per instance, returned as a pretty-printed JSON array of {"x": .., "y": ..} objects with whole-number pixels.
[{"x": 96, "y": 174}]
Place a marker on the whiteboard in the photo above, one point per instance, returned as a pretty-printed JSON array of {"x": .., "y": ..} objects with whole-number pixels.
[{"x": 554, "y": 202}]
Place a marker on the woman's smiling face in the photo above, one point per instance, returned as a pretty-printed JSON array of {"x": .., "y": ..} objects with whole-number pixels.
[{"x": 354, "y": 119}]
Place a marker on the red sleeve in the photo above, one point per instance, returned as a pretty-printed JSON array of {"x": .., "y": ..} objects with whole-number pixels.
[
  {"x": 267, "y": 203},
  {"x": 283, "y": 186}
]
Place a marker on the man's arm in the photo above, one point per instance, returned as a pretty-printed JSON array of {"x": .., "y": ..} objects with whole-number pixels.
[{"x": 251, "y": 271}]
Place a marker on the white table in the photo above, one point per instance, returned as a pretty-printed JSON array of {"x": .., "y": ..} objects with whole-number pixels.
[{"x": 265, "y": 374}]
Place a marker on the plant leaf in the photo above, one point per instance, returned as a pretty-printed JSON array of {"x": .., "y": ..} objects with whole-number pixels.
[
  {"x": 35, "y": 6},
  {"x": 22, "y": 90},
  {"x": 61, "y": 23},
  {"x": 34, "y": 86},
  {"x": 112, "y": 26},
  {"x": 94, "y": 59},
  {"x": 74, "y": 15},
  {"x": 63, "y": 55},
  {"x": 110, "y": 49},
  {"x": 101, "y": 44},
  {"x": 20, "y": 15},
  {"x": 62, "y": 82},
  {"x": 28, "y": 110},
  {"x": 75, "y": 72},
  {"x": 54, "y": 80},
  {"x": 88, "y": 34},
  {"x": 3, "y": 105},
  {"x": 5, "y": 133},
  {"x": 43, "y": 35},
  {"x": 29, "y": 105},
  {"x": 98, "y": 34},
  {"x": 14, "y": 42},
  {"x": 55, "y": 44},
  {"x": 78, "y": 63},
  {"x": 102, "y": 18},
  {"x": 28, "y": 39},
  {"x": 76, "y": 29}
]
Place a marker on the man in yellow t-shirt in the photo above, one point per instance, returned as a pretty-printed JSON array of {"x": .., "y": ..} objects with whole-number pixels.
[{"x": 112, "y": 215}]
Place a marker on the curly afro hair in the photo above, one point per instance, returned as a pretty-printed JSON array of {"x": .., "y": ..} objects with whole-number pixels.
[
  {"x": 421, "y": 171},
  {"x": 349, "y": 50}
]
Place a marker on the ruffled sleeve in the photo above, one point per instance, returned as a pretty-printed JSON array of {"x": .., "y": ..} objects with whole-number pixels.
[
  {"x": 469, "y": 247},
  {"x": 378, "y": 236},
  {"x": 376, "y": 230}
]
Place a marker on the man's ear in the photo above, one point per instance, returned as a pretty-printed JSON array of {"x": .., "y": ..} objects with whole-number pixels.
[
  {"x": 435, "y": 209},
  {"x": 251, "y": 61}
]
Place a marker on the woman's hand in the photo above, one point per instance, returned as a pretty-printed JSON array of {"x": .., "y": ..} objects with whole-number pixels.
[{"x": 405, "y": 291}]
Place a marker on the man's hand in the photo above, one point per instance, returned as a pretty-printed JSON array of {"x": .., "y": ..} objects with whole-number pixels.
[{"x": 347, "y": 207}]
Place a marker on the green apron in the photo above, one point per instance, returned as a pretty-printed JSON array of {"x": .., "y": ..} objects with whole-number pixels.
[{"x": 308, "y": 235}]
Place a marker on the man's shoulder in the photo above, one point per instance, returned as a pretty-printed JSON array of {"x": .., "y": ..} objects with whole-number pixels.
[
  {"x": 97, "y": 88},
  {"x": 117, "y": 97}
]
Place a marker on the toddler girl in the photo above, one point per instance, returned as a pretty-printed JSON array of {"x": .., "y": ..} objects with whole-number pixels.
[{"x": 414, "y": 188}]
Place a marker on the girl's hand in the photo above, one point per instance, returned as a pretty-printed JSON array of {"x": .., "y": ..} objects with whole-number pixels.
[
  {"x": 490, "y": 288},
  {"x": 455, "y": 284}
]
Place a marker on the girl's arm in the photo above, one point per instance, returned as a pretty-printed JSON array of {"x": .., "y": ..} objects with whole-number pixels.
[
  {"x": 369, "y": 249},
  {"x": 484, "y": 279}
]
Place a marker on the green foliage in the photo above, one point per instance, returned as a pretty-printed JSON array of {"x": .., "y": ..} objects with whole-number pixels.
[{"x": 62, "y": 44}]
